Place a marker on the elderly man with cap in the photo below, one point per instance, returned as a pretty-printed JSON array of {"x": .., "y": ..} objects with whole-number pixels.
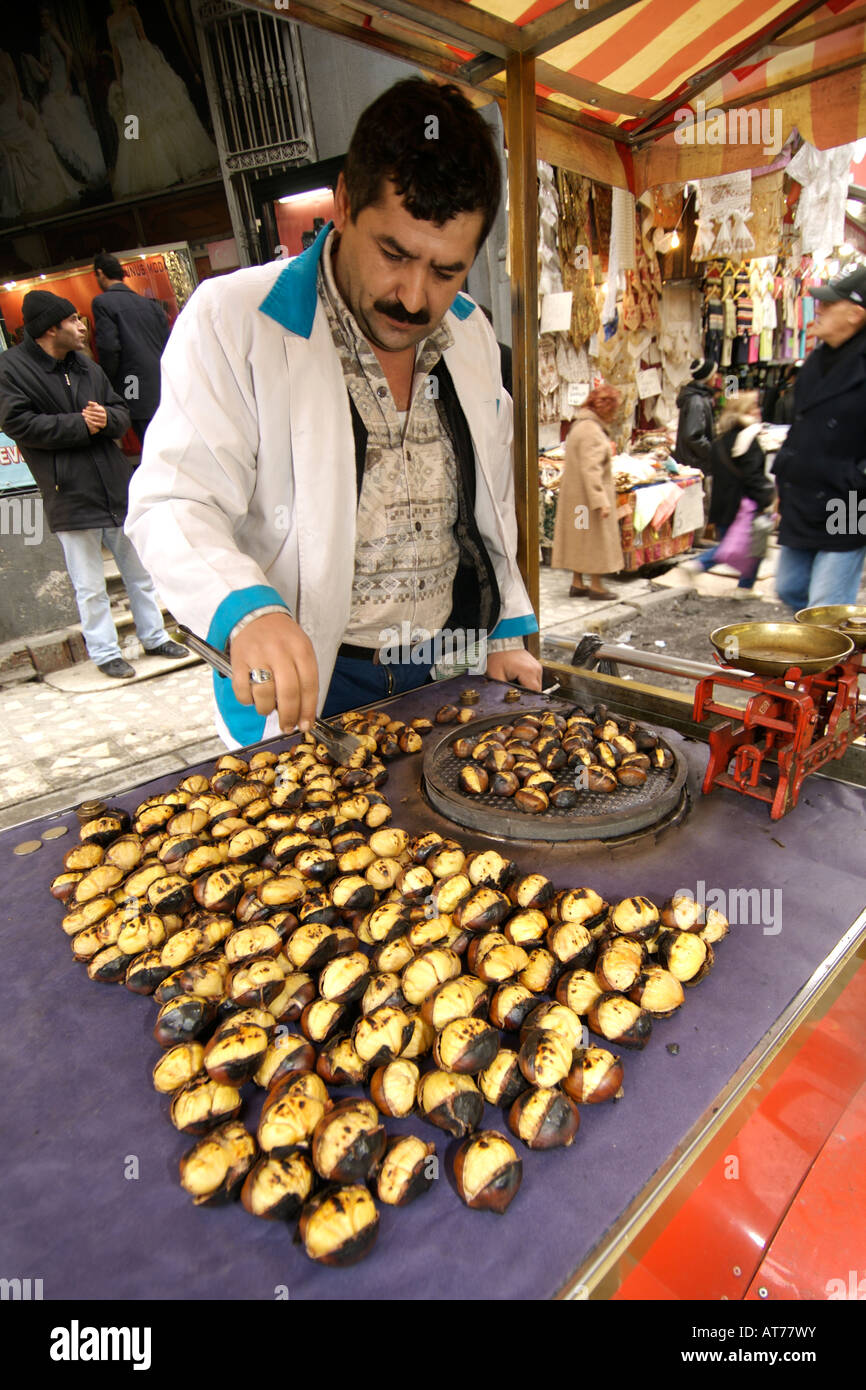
[
  {"x": 63, "y": 414},
  {"x": 821, "y": 468}
]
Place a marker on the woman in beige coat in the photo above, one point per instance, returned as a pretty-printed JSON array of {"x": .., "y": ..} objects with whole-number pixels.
[{"x": 586, "y": 538}]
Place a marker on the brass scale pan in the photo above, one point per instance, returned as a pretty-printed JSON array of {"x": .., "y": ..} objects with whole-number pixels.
[{"x": 771, "y": 649}]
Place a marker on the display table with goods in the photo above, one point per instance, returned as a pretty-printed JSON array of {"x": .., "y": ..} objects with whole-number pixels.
[
  {"x": 660, "y": 503},
  {"x": 514, "y": 1005}
]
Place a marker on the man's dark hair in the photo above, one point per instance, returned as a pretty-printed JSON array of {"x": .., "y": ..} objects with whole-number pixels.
[
  {"x": 435, "y": 148},
  {"x": 109, "y": 265}
]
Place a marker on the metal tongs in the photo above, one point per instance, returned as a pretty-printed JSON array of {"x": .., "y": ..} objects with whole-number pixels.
[{"x": 340, "y": 745}]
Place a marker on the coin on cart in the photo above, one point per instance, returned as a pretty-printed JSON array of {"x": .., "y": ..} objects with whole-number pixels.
[
  {"x": 27, "y": 847},
  {"x": 55, "y": 832}
]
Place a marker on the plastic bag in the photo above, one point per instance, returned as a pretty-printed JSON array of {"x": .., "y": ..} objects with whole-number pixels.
[{"x": 735, "y": 549}]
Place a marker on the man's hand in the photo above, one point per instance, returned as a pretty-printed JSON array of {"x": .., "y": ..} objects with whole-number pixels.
[
  {"x": 95, "y": 417},
  {"x": 277, "y": 644},
  {"x": 515, "y": 665}
]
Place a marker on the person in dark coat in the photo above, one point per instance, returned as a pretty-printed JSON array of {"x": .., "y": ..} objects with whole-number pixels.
[
  {"x": 131, "y": 332},
  {"x": 738, "y": 471},
  {"x": 821, "y": 468},
  {"x": 695, "y": 429},
  {"x": 61, "y": 411}
]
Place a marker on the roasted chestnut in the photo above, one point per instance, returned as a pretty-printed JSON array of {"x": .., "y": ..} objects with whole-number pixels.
[
  {"x": 450, "y": 1101},
  {"x": 395, "y": 1086},
  {"x": 619, "y": 963},
  {"x": 488, "y": 1172},
  {"x": 636, "y": 917},
  {"x": 380, "y": 1036},
  {"x": 235, "y": 1055},
  {"x": 544, "y": 1057},
  {"x": 348, "y": 1142},
  {"x": 687, "y": 955},
  {"x": 340, "y": 1065},
  {"x": 203, "y": 1103},
  {"x": 218, "y": 890},
  {"x": 716, "y": 928},
  {"x": 620, "y": 1020},
  {"x": 145, "y": 972},
  {"x": 484, "y": 908},
  {"x": 571, "y": 944},
  {"x": 177, "y": 1067},
  {"x": 422, "y": 1036},
  {"x": 578, "y": 989},
  {"x": 323, "y": 1019},
  {"x": 503, "y": 1081},
  {"x": 540, "y": 971},
  {"x": 495, "y": 960},
  {"x": 183, "y": 1018},
  {"x": 407, "y": 1171},
  {"x": 345, "y": 978},
  {"x": 287, "y": 1123},
  {"x": 258, "y": 984},
  {"x": 277, "y": 1188},
  {"x": 466, "y": 1045},
  {"x": 462, "y": 997},
  {"x": 215, "y": 1168},
  {"x": 510, "y": 1005},
  {"x": 339, "y": 1226},
  {"x": 658, "y": 991},
  {"x": 555, "y": 1018},
  {"x": 595, "y": 1076},
  {"x": 425, "y": 973},
  {"x": 544, "y": 1119},
  {"x": 473, "y": 779}
]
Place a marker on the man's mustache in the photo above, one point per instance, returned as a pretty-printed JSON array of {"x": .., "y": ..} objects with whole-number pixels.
[{"x": 401, "y": 315}]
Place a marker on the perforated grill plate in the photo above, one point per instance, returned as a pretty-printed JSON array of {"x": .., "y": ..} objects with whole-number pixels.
[{"x": 598, "y": 815}]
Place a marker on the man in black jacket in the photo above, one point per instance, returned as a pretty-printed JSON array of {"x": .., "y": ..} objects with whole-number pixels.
[
  {"x": 60, "y": 409},
  {"x": 821, "y": 468},
  {"x": 131, "y": 332},
  {"x": 695, "y": 427}
]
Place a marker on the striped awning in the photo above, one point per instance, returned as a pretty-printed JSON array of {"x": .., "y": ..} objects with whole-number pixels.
[{"x": 619, "y": 82}]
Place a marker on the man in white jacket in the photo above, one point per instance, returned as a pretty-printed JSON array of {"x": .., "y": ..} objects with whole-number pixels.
[{"x": 330, "y": 464}]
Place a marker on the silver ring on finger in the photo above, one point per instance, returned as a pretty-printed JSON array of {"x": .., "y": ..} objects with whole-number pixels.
[{"x": 259, "y": 675}]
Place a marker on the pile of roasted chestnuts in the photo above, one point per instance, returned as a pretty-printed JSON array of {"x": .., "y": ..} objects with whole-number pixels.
[
  {"x": 550, "y": 761},
  {"x": 295, "y": 941}
]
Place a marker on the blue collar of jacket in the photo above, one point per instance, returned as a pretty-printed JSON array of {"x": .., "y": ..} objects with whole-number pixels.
[{"x": 291, "y": 300}]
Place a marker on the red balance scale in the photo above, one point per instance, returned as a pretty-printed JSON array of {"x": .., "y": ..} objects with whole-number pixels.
[{"x": 804, "y": 703}]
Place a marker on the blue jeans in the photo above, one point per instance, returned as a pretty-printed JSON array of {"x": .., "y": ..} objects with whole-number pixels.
[
  {"x": 361, "y": 683},
  {"x": 708, "y": 559},
  {"x": 818, "y": 578},
  {"x": 82, "y": 551}
]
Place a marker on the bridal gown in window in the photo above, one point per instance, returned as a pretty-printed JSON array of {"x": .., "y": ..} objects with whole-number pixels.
[
  {"x": 172, "y": 143},
  {"x": 32, "y": 179},
  {"x": 66, "y": 120}
]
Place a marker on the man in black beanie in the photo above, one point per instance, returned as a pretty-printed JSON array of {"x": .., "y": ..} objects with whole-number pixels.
[
  {"x": 61, "y": 411},
  {"x": 696, "y": 427},
  {"x": 131, "y": 332}
]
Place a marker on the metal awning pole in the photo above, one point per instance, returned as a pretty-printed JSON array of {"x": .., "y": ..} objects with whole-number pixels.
[{"x": 523, "y": 258}]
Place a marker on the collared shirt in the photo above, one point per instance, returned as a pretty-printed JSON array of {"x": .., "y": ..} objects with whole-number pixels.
[{"x": 406, "y": 552}]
